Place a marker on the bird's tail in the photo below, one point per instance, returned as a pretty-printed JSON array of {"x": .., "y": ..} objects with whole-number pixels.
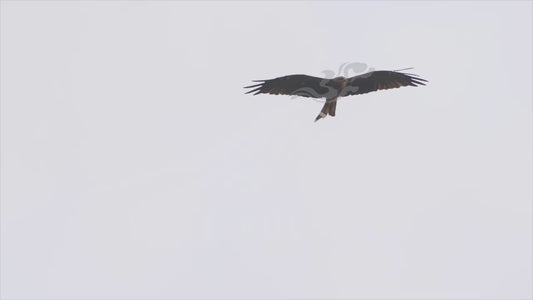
[{"x": 328, "y": 109}]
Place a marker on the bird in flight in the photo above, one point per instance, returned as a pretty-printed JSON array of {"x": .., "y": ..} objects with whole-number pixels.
[{"x": 334, "y": 88}]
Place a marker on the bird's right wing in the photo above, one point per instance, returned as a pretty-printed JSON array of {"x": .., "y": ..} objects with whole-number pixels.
[{"x": 298, "y": 85}]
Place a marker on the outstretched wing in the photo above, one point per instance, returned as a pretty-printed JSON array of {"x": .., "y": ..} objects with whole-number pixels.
[
  {"x": 299, "y": 85},
  {"x": 380, "y": 80}
]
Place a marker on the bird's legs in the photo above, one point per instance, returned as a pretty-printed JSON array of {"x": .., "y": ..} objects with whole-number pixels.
[{"x": 328, "y": 109}]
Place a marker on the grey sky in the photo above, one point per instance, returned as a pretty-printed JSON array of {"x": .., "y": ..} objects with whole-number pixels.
[{"x": 133, "y": 165}]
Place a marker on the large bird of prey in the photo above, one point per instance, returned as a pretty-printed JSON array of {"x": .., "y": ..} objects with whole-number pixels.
[{"x": 333, "y": 89}]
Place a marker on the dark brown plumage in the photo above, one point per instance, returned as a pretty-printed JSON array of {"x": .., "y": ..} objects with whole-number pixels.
[{"x": 332, "y": 89}]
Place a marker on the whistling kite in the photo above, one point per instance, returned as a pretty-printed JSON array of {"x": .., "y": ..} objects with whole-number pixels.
[{"x": 332, "y": 89}]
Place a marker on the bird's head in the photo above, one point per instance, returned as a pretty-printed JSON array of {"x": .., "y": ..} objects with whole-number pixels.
[{"x": 340, "y": 78}]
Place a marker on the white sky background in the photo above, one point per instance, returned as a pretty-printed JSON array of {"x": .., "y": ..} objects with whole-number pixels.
[{"x": 133, "y": 165}]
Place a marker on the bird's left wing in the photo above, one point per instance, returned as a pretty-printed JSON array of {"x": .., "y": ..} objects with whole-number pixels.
[
  {"x": 299, "y": 85},
  {"x": 380, "y": 80}
]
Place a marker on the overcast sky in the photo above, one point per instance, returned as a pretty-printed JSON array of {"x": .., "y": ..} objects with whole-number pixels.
[{"x": 134, "y": 166}]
